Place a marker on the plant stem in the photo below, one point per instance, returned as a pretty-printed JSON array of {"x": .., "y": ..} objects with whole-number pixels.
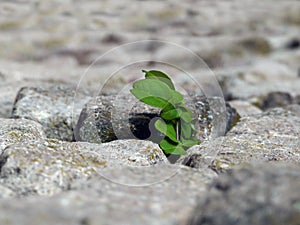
[{"x": 177, "y": 131}]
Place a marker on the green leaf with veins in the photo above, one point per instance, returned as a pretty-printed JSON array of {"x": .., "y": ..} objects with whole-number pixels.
[
  {"x": 167, "y": 129},
  {"x": 171, "y": 114},
  {"x": 170, "y": 148},
  {"x": 155, "y": 93},
  {"x": 186, "y": 130},
  {"x": 158, "y": 75}
]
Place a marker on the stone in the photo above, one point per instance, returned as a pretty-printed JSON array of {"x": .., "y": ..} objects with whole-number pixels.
[
  {"x": 169, "y": 201},
  {"x": 111, "y": 117},
  {"x": 260, "y": 79},
  {"x": 294, "y": 108},
  {"x": 56, "y": 107},
  {"x": 269, "y": 136},
  {"x": 232, "y": 117},
  {"x": 19, "y": 130},
  {"x": 98, "y": 123},
  {"x": 8, "y": 91},
  {"x": 6, "y": 192},
  {"x": 277, "y": 99},
  {"x": 293, "y": 44},
  {"x": 266, "y": 193},
  {"x": 53, "y": 41},
  {"x": 258, "y": 45},
  {"x": 47, "y": 167},
  {"x": 106, "y": 118},
  {"x": 244, "y": 108},
  {"x": 297, "y": 99}
]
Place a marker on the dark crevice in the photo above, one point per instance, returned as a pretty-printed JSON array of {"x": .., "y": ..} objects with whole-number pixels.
[
  {"x": 3, "y": 160},
  {"x": 139, "y": 125}
]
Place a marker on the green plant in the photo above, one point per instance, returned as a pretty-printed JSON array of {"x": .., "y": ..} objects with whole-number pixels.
[{"x": 176, "y": 120}]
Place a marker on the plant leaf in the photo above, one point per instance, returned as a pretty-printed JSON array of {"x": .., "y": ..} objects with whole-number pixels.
[
  {"x": 150, "y": 100},
  {"x": 158, "y": 90},
  {"x": 176, "y": 99},
  {"x": 170, "y": 115},
  {"x": 167, "y": 129},
  {"x": 143, "y": 89},
  {"x": 179, "y": 151},
  {"x": 170, "y": 148},
  {"x": 155, "y": 74},
  {"x": 154, "y": 88},
  {"x": 168, "y": 107},
  {"x": 189, "y": 143},
  {"x": 167, "y": 146},
  {"x": 185, "y": 114},
  {"x": 186, "y": 130}
]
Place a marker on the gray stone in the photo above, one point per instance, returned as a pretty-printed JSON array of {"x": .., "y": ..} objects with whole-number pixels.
[
  {"x": 262, "y": 194},
  {"x": 19, "y": 130},
  {"x": 8, "y": 92},
  {"x": 99, "y": 200},
  {"x": 293, "y": 44},
  {"x": 257, "y": 45},
  {"x": 269, "y": 136},
  {"x": 244, "y": 108},
  {"x": 46, "y": 167},
  {"x": 7, "y": 97},
  {"x": 57, "y": 108},
  {"x": 49, "y": 41},
  {"x": 294, "y": 109},
  {"x": 277, "y": 99},
  {"x": 259, "y": 79},
  {"x": 297, "y": 99},
  {"x": 98, "y": 123},
  {"x": 232, "y": 117},
  {"x": 112, "y": 117},
  {"x": 6, "y": 192}
]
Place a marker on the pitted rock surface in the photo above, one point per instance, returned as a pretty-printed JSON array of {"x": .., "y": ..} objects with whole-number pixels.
[{"x": 46, "y": 167}]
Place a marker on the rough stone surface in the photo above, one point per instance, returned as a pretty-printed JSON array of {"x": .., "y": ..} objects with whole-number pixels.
[
  {"x": 112, "y": 117},
  {"x": 15, "y": 75},
  {"x": 277, "y": 99},
  {"x": 99, "y": 200},
  {"x": 269, "y": 136},
  {"x": 8, "y": 92},
  {"x": 19, "y": 130},
  {"x": 47, "y": 167},
  {"x": 244, "y": 108},
  {"x": 260, "y": 79},
  {"x": 106, "y": 119},
  {"x": 261, "y": 194},
  {"x": 232, "y": 117},
  {"x": 294, "y": 109},
  {"x": 57, "y": 108},
  {"x": 53, "y": 42},
  {"x": 6, "y": 192},
  {"x": 6, "y": 101},
  {"x": 297, "y": 99}
]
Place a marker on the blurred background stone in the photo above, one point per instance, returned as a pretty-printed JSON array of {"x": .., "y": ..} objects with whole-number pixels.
[
  {"x": 57, "y": 108},
  {"x": 252, "y": 195}
]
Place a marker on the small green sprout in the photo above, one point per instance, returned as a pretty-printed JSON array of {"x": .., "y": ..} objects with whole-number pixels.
[{"x": 176, "y": 120}]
